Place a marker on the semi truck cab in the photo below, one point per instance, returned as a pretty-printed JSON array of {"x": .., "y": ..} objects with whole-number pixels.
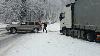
[{"x": 65, "y": 18}]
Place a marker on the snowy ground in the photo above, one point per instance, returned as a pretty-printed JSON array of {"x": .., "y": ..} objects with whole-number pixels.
[
  {"x": 47, "y": 44},
  {"x": 3, "y": 25},
  {"x": 3, "y": 31}
]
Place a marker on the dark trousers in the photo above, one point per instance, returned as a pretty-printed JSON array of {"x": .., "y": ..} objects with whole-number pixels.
[{"x": 44, "y": 28}]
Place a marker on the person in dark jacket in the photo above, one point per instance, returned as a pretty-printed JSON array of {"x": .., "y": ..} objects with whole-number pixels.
[{"x": 45, "y": 27}]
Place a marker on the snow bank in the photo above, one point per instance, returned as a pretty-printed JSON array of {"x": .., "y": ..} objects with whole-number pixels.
[
  {"x": 3, "y": 25},
  {"x": 54, "y": 27}
]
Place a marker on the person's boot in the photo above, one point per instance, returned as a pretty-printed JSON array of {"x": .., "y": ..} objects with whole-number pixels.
[
  {"x": 46, "y": 31},
  {"x": 43, "y": 30}
]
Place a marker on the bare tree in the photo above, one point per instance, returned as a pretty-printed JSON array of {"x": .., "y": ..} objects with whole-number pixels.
[{"x": 23, "y": 10}]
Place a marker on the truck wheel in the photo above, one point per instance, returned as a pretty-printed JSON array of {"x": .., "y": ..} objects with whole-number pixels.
[
  {"x": 13, "y": 30},
  {"x": 75, "y": 33},
  {"x": 79, "y": 34},
  {"x": 67, "y": 32},
  {"x": 72, "y": 33},
  {"x": 91, "y": 36},
  {"x": 83, "y": 35},
  {"x": 64, "y": 32}
]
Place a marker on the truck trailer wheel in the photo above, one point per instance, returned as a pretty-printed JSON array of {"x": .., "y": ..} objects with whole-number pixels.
[
  {"x": 83, "y": 35},
  {"x": 64, "y": 32},
  {"x": 79, "y": 34},
  {"x": 72, "y": 33},
  {"x": 13, "y": 30},
  {"x": 67, "y": 32},
  {"x": 75, "y": 34},
  {"x": 91, "y": 36}
]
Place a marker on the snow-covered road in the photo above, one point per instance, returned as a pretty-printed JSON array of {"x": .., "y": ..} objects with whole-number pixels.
[{"x": 47, "y": 44}]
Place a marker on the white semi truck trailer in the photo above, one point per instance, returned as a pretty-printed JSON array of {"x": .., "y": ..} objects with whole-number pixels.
[{"x": 81, "y": 19}]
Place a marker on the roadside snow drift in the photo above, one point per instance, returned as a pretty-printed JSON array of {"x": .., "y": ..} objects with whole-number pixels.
[
  {"x": 54, "y": 27},
  {"x": 3, "y": 25}
]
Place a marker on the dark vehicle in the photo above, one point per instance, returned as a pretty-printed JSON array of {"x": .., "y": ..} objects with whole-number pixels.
[{"x": 83, "y": 21}]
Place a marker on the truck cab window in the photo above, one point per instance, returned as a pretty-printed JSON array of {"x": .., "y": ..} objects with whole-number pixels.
[{"x": 62, "y": 16}]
